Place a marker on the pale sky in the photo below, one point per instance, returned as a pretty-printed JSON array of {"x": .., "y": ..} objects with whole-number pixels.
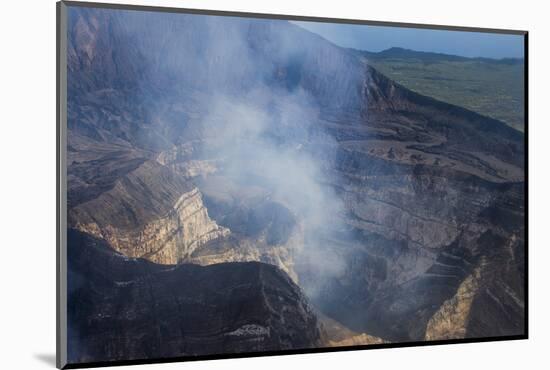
[{"x": 378, "y": 38}]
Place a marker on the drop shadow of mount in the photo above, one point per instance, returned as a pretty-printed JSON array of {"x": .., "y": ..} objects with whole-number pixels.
[{"x": 46, "y": 358}]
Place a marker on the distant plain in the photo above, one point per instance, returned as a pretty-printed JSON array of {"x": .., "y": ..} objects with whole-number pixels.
[{"x": 491, "y": 87}]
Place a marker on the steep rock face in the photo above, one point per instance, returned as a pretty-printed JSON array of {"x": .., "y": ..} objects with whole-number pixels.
[
  {"x": 275, "y": 52},
  {"x": 237, "y": 248},
  {"x": 150, "y": 213},
  {"x": 356, "y": 340},
  {"x": 498, "y": 307},
  {"x": 430, "y": 191},
  {"x": 262, "y": 229},
  {"x": 338, "y": 335},
  {"x": 122, "y": 309},
  {"x": 166, "y": 240},
  {"x": 490, "y": 301},
  {"x": 450, "y": 320}
]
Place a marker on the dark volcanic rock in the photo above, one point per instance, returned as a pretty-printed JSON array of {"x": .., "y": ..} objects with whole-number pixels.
[{"x": 122, "y": 309}]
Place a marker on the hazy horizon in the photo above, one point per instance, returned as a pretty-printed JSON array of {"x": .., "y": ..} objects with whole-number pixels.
[{"x": 379, "y": 38}]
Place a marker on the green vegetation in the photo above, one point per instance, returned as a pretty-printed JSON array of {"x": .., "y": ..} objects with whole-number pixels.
[{"x": 494, "y": 88}]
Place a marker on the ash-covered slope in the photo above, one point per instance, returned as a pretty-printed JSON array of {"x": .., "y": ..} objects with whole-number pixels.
[
  {"x": 125, "y": 309},
  {"x": 399, "y": 215}
]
